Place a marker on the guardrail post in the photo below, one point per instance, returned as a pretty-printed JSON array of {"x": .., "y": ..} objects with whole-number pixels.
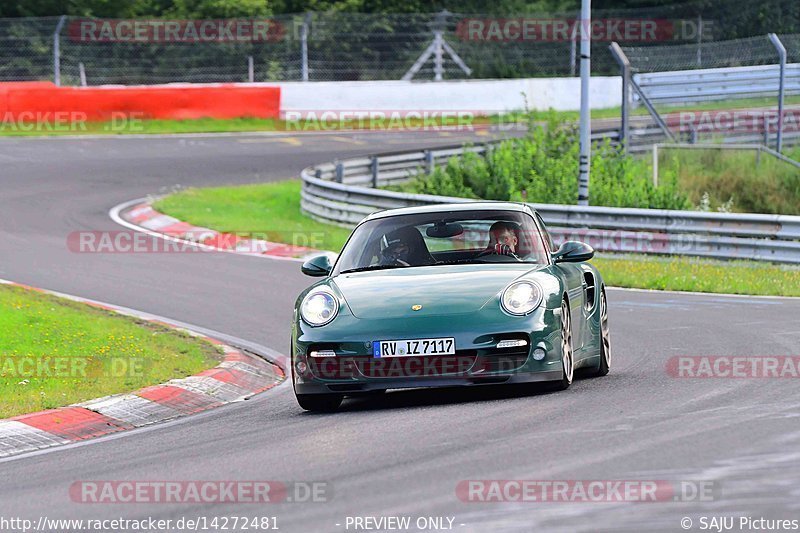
[
  {"x": 776, "y": 42},
  {"x": 625, "y": 68},
  {"x": 429, "y": 162},
  {"x": 339, "y": 172},
  {"x": 374, "y": 168},
  {"x": 692, "y": 135},
  {"x": 766, "y": 130}
]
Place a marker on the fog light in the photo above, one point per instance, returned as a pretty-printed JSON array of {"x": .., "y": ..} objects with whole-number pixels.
[
  {"x": 514, "y": 343},
  {"x": 322, "y": 353},
  {"x": 301, "y": 367},
  {"x": 539, "y": 354}
]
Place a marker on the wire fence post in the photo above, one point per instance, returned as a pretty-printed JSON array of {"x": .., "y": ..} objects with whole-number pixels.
[
  {"x": 699, "y": 41},
  {"x": 250, "y": 70},
  {"x": 57, "y": 50},
  {"x": 776, "y": 42},
  {"x": 304, "y": 47},
  {"x": 625, "y": 70},
  {"x": 82, "y": 74}
]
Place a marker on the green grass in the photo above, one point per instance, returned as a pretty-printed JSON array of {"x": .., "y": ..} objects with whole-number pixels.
[
  {"x": 699, "y": 275},
  {"x": 276, "y": 205},
  {"x": 91, "y": 352},
  {"x": 751, "y": 184},
  {"x": 269, "y": 211}
]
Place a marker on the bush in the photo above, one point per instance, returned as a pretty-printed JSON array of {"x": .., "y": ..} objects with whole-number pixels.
[{"x": 542, "y": 167}]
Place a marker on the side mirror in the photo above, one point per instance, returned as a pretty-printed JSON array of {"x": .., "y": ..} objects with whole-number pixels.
[
  {"x": 318, "y": 266},
  {"x": 573, "y": 252}
]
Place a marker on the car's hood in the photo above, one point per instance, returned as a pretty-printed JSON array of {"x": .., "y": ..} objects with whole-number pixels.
[{"x": 440, "y": 290}]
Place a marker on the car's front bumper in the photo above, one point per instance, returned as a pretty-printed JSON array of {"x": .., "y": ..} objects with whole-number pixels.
[{"x": 477, "y": 361}]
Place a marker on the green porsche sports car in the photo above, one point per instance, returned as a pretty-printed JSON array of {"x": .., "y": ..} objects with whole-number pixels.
[{"x": 447, "y": 295}]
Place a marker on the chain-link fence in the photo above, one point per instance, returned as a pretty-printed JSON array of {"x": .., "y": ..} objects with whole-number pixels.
[
  {"x": 753, "y": 82},
  {"x": 751, "y": 51},
  {"x": 357, "y": 46},
  {"x": 26, "y": 48}
]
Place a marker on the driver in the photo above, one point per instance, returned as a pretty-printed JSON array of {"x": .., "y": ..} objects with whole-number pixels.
[{"x": 503, "y": 238}]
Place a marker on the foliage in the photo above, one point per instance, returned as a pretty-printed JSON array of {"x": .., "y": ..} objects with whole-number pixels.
[
  {"x": 543, "y": 168},
  {"x": 735, "y": 180}
]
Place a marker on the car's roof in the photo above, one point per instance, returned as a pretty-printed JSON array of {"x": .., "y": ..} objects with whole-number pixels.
[{"x": 443, "y": 208}]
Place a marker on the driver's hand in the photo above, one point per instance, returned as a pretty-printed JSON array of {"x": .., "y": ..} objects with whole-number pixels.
[{"x": 503, "y": 249}]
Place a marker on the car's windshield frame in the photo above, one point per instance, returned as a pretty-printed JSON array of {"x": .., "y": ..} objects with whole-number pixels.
[{"x": 543, "y": 258}]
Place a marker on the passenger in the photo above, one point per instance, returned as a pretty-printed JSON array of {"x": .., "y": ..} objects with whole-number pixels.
[{"x": 405, "y": 247}]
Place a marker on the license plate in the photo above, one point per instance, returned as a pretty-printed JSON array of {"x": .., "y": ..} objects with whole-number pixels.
[{"x": 414, "y": 347}]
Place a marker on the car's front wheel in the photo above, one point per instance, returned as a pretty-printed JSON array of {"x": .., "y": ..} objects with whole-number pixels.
[
  {"x": 325, "y": 403},
  {"x": 566, "y": 348}
]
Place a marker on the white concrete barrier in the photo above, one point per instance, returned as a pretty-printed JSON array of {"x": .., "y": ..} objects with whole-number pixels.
[{"x": 477, "y": 96}]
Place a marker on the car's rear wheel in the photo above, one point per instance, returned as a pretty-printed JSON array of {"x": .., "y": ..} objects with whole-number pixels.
[
  {"x": 605, "y": 338},
  {"x": 325, "y": 403},
  {"x": 566, "y": 348}
]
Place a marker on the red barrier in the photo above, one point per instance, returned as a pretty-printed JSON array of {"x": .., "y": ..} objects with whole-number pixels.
[{"x": 159, "y": 101}]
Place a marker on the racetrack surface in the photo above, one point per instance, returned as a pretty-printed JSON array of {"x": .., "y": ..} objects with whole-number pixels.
[{"x": 403, "y": 454}]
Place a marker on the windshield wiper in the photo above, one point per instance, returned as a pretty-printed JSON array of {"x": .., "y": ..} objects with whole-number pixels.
[{"x": 370, "y": 267}]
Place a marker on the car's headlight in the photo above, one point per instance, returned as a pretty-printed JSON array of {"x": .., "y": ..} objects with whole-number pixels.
[
  {"x": 319, "y": 307},
  {"x": 521, "y": 297}
]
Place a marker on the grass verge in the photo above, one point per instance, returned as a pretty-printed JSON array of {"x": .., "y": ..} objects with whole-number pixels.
[
  {"x": 270, "y": 211},
  {"x": 699, "y": 275},
  {"x": 55, "y": 352},
  {"x": 276, "y": 205}
]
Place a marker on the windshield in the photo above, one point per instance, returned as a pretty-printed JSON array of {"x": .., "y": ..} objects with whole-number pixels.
[{"x": 453, "y": 237}]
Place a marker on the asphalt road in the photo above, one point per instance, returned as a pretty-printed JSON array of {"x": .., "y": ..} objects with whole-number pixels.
[{"x": 404, "y": 454}]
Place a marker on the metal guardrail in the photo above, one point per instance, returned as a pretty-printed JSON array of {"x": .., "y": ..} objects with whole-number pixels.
[
  {"x": 344, "y": 192},
  {"x": 690, "y": 86}
]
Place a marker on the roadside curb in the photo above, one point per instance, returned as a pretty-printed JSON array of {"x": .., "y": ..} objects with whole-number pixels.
[
  {"x": 238, "y": 377},
  {"x": 139, "y": 215}
]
